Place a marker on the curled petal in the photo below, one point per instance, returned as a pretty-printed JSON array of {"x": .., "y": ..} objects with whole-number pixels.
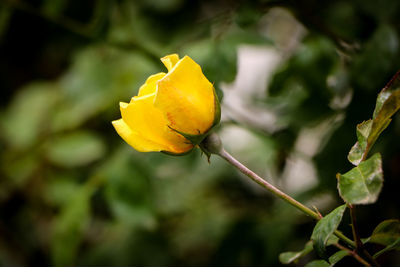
[
  {"x": 186, "y": 98},
  {"x": 149, "y": 122},
  {"x": 170, "y": 61},
  {"x": 150, "y": 86},
  {"x": 173, "y": 112},
  {"x": 138, "y": 142}
]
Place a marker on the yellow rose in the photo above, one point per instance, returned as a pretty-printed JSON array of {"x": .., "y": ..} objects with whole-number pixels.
[{"x": 173, "y": 111}]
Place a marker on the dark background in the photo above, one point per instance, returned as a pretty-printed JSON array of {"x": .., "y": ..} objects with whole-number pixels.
[{"x": 72, "y": 193}]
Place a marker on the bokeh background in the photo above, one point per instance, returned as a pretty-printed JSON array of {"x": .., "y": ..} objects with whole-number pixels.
[{"x": 294, "y": 78}]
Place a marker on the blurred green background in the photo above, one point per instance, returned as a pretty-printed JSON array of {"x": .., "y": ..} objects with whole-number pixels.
[{"x": 295, "y": 77}]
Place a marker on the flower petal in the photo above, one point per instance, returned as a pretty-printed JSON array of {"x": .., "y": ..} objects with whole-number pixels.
[
  {"x": 150, "y": 86},
  {"x": 149, "y": 122},
  {"x": 170, "y": 61},
  {"x": 134, "y": 139},
  {"x": 186, "y": 98}
]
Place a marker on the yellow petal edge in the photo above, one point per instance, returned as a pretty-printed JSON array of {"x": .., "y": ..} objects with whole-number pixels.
[
  {"x": 180, "y": 101},
  {"x": 187, "y": 98}
]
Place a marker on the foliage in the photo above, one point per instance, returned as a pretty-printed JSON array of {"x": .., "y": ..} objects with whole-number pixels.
[
  {"x": 325, "y": 228},
  {"x": 73, "y": 194},
  {"x": 362, "y": 184}
]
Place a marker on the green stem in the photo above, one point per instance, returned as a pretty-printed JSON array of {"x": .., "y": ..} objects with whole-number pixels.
[
  {"x": 347, "y": 240},
  {"x": 252, "y": 175}
]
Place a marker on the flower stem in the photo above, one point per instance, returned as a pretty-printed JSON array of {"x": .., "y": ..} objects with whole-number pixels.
[{"x": 252, "y": 175}]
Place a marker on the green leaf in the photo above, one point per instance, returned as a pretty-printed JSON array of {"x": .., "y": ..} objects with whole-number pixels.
[
  {"x": 18, "y": 168},
  {"x": 387, "y": 233},
  {"x": 61, "y": 189},
  {"x": 357, "y": 151},
  {"x": 98, "y": 78},
  {"x": 69, "y": 227},
  {"x": 338, "y": 256},
  {"x": 369, "y": 75},
  {"x": 394, "y": 245},
  {"x": 318, "y": 263},
  {"x": 294, "y": 256},
  {"x": 365, "y": 240},
  {"x": 75, "y": 149},
  {"x": 362, "y": 184},
  {"x": 127, "y": 190},
  {"x": 27, "y": 116},
  {"x": 325, "y": 228},
  {"x": 387, "y": 104}
]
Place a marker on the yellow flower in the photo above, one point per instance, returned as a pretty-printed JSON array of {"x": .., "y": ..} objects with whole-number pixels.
[{"x": 173, "y": 111}]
